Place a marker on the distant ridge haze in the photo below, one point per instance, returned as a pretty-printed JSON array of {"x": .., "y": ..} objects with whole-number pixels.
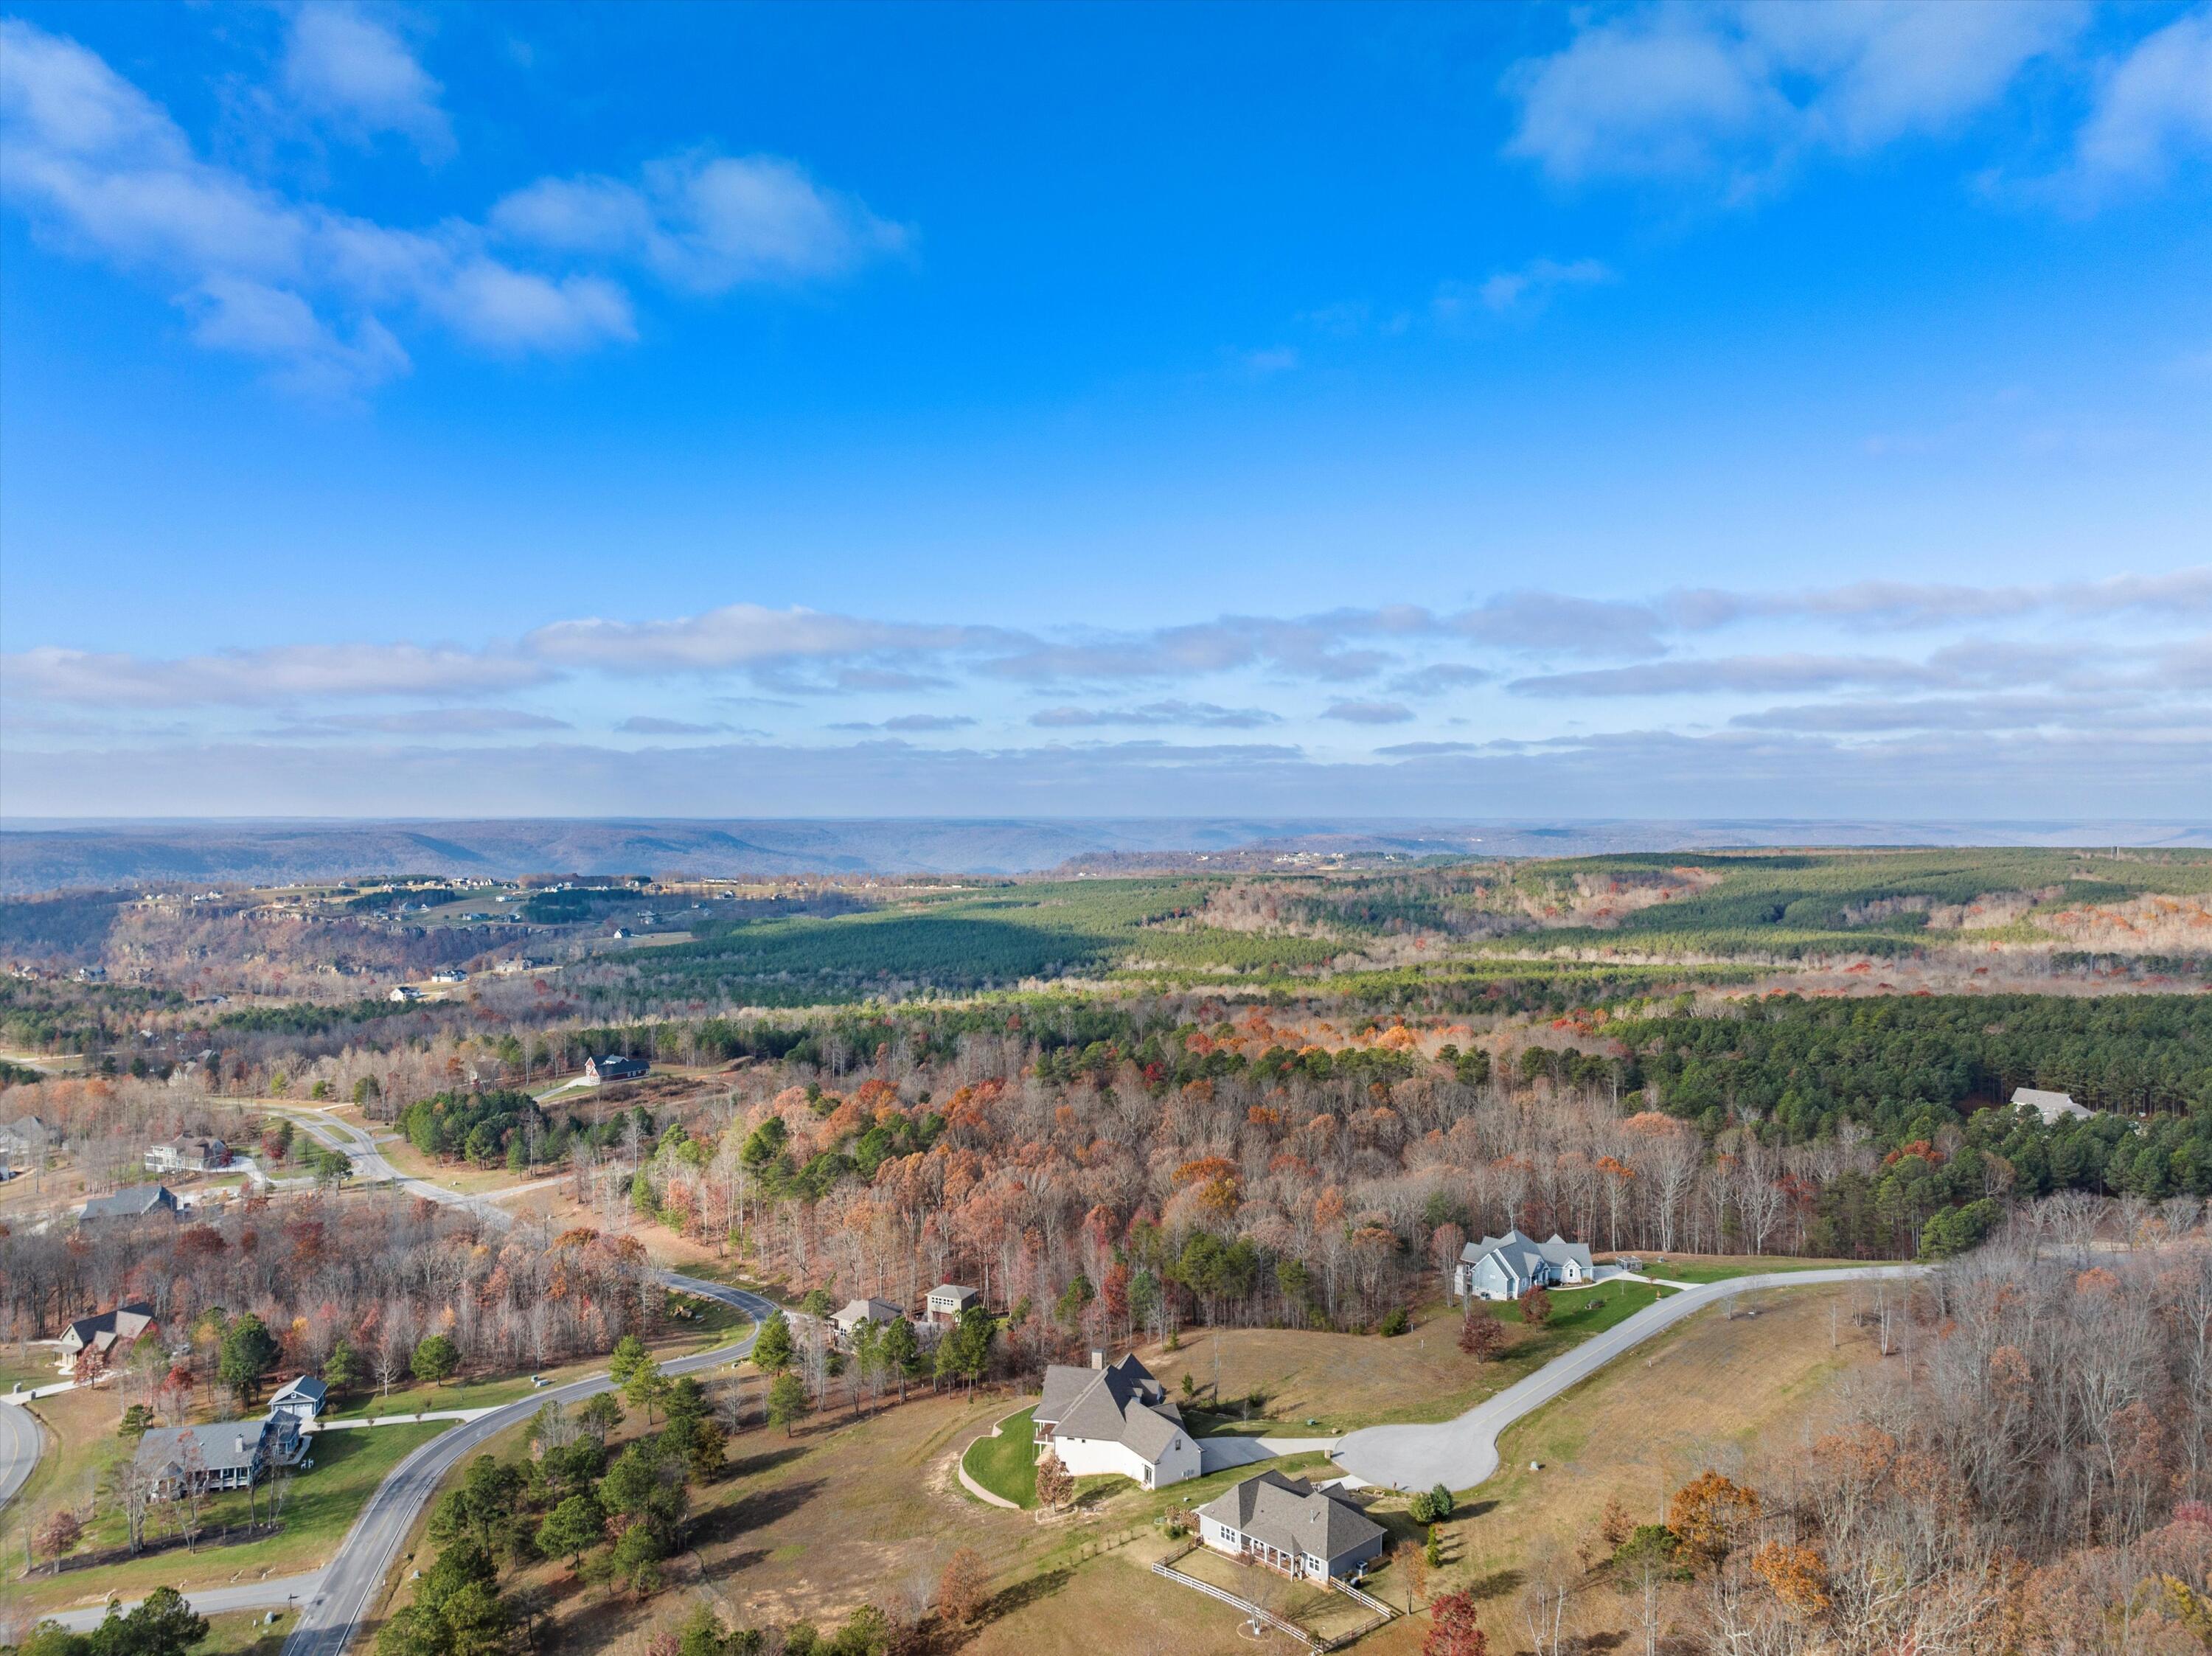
[{"x": 53, "y": 854}]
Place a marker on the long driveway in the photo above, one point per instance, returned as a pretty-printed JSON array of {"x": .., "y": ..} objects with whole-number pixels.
[{"x": 1461, "y": 1453}]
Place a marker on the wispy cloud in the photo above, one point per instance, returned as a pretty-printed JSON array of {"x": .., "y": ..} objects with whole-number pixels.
[
  {"x": 264, "y": 677},
  {"x": 352, "y": 71},
  {"x": 703, "y": 221},
  {"x": 317, "y": 295},
  {"x": 1369, "y": 713},
  {"x": 913, "y": 724},
  {"x": 1193, "y": 714},
  {"x": 1524, "y": 289},
  {"x": 1734, "y": 93}
]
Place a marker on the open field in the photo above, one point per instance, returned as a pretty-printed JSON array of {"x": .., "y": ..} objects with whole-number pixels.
[
  {"x": 246, "y": 1633},
  {"x": 1340, "y": 1382}
]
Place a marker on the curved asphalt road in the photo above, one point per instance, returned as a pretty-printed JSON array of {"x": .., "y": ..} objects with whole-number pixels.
[
  {"x": 336, "y": 1599},
  {"x": 1461, "y": 1453},
  {"x": 21, "y": 1438}
]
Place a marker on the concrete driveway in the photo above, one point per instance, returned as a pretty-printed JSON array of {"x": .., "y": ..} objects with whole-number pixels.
[{"x": 1461, "y": 1453}]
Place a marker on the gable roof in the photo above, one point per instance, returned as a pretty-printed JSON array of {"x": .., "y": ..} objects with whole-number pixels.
[
  {"x": 306, "y": 1386},
  {"x": 133, "y": 1201},
  {"x": 226, "y": 1446},
  {"x": 125, "y": 1322},
  {"x": 1290, "y": 1515},
  {"x": 869, "y": 1310},
  {"x": 1120, "y": 1404},
  {"x": 1524, "y": 1253},
  {"x": 2049, "y": 1105}
]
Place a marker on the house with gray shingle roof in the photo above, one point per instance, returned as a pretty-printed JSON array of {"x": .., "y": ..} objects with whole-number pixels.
[
  {"x": 1506, "y": 1267},
  {"x": 132, "y": 1202},
  {"x": 1115, "y": 1419},
  {"x": 228, "y": 1455},
  {"x": 2053, "y": 1107},
  {"x": 1288, "y": 1525}
]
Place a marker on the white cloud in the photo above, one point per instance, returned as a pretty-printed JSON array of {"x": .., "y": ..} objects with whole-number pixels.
[
  {"x": 1196, "y": 714},
  {"x": 312, "y": 293},
  {"x": 1369, "y": 713},
  {"x": 1741, "y": 90},
  {"x": 360, "y": 77},
  {"x": 708, "y": 223},
  {"x": 2152, "y": 106},
  {"x": 237, "y": 313},
  {"x": 1526, "y": 288},
  {"x": 253, "y": 677},
  {"x": 1739, "y": 673},
  {"x": 737, "y": 635}
]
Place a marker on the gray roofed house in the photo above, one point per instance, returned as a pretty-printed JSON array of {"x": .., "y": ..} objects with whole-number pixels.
[
  {"x": 948, "y": 1300},
  {"x": 228, "y": 1455},
  {"x": 302, "y": 1398},
  {"x": 1506, "y": 1267},
  {"x": 26, "y": 1134},
  {"x": 848, "y": 1320},
  {"x": 1288, "y": 1525},
  {"x": 2051, "y": 1106},
  {"x": 1114, "y": 1418},
  {"x": 132, "y": 1202}
]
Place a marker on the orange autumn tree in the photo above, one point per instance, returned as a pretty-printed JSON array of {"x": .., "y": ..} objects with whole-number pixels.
[{"x": 1709, "y": 1514}]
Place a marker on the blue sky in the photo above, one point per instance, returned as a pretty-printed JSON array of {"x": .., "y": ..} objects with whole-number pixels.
[{"x": 1784, "y": 410}]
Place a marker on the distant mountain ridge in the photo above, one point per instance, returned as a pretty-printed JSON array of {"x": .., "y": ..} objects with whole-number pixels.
[{"x": 49, "y": 856}]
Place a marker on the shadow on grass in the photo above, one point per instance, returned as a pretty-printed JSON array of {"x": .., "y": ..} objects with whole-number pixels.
[
  {"x": 1023, "y": 1593},
  {"x": 767, "y": 1461},
  {"x": 757, "y": 1511},
  {"x": 1496, "y": 1585}
]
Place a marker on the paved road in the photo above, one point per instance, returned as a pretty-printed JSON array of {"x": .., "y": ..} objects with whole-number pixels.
[
  {"x": 21, "y": 1438},
  {"x": 272, "y": 1594},
  {"x": 338, "y": 1597},
  {"x": 1461, "y": 1453}
]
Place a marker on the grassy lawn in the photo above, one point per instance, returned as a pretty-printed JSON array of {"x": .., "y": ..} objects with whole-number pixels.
[
  {"x": 320, "y": 1507},
  {"x": 1006, "y": 1464},
  {"x": 462, "y": 1176},
  {"x": 246, "y": 1633},
  {"x": 33, "y": 1366},
  {"x": 1320, "y": 1385},
  {"x": 714, "y": 1324},
  {"x": 1720, "y": 1268}
]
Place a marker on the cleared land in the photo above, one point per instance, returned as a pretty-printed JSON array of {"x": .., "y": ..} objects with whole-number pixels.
[
  {"x": 1712, "y": 1392},
  {"x": 1342, "y": 1381}
]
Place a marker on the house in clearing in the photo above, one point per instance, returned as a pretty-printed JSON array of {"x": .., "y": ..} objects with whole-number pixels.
[
  {"x": 858, "y": 1313},
  {"x": 2051, "y": 1106},
  {"x": 614, "y": 1067},
  {"x": 228, "y": 1455},
  {"x": 135, "y": 1202},
  {"x": 1288, "y": 1525},
  {"x": 1506, "y": 1267},
  {"x": 107, "y": 1339},
  {"x": 1115, "y": 1419},
  {"x": 948, "y": 1300},
  {"x": 188, "y": 1155},
  {"x": 302, "y": 1399}
]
